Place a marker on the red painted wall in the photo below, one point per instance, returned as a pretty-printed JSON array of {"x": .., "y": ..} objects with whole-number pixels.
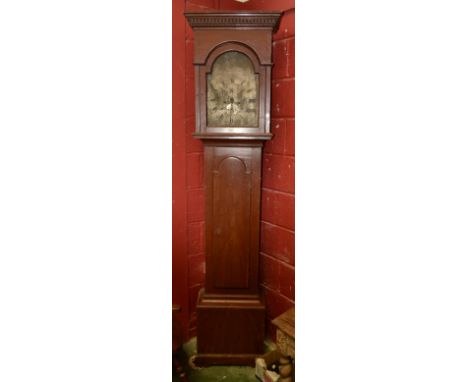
[
  {"x": 179, "y": 188},
  {"x": 277, "y": 226}
]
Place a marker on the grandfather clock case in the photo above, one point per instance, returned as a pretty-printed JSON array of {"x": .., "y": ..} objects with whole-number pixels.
[{"x": 232, "y": 64}]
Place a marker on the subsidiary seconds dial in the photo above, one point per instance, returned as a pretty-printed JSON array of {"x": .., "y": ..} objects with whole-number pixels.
[{"x": 232, "y": 92}]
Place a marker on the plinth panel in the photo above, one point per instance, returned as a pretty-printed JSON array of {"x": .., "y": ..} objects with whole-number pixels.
[{"x": 235, "y": 328}]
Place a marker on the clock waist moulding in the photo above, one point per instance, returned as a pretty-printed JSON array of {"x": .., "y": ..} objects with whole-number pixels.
[{"x": 232, "y": 64}]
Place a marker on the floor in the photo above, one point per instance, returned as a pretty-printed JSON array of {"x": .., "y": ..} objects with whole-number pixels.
[{"x": 213, "y": 373}]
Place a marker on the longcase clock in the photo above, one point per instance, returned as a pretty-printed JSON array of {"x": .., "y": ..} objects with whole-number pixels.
[{"x": 232, "y": 63}]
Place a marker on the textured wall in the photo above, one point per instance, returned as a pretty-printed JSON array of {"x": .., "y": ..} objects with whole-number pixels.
[
  {"x": 277, "y": 226},
  {"x": 195, "y": 195},
  {"x": 179, "y": 186}
]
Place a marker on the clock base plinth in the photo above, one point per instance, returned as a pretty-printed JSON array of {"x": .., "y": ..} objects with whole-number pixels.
[{"x": 229, "y": 331}]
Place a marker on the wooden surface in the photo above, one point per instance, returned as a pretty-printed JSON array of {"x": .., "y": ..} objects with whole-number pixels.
[
  {"x": 286, "y": 322},
  {"x": 285, "y": 333},
  {"x": 230, "y": 311},
  {"x": 285, "y": 339},
  {"x": 227, "y": 327},
  {"x": 249, "y": 33},
  {"x": 234, "y": 20},
  {"x": 232, "y": 200}
]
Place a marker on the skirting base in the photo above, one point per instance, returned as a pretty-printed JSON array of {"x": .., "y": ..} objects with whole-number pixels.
[{"x": 202, "y": 360}]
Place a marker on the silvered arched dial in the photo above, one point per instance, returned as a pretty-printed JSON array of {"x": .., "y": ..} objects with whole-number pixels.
[{"x": 232, "y": 92}]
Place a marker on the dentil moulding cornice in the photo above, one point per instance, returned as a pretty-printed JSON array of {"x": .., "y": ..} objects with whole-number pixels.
[{"x": 253, "y": 19}]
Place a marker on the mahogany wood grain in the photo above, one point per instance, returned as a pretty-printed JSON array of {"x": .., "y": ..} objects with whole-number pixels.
[
  {"x": 230, "y": 327},
  {"x": 230, "y": 310},
  {"x": 248, "y": 32},
  {"x": 232, "y": 200}
]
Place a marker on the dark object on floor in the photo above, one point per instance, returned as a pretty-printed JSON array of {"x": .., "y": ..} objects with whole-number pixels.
[
  {"x": 176, "y": 345},
  {"x": 268, "y": 361}
]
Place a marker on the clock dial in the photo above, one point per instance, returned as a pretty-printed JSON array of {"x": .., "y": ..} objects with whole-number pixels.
[{"x": 232, "y": 92}]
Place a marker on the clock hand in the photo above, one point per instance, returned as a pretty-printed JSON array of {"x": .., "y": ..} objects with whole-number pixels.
[{"x": 230, "y": 113}]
